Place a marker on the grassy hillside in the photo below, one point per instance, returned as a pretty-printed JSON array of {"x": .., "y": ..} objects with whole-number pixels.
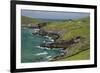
[
  {"x": 27, "y": 20},
  {"x": 81, "y": 56},
  {"x": 71, "y": 29}
]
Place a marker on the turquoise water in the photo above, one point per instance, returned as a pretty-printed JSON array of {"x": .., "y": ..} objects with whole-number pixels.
[{"x": 31, "y": 50}]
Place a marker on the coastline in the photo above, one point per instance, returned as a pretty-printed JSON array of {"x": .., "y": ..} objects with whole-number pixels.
[{"x": 75, "y": 44}]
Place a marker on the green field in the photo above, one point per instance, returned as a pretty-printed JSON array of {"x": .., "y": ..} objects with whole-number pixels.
[{"x": 81, "y": 56}]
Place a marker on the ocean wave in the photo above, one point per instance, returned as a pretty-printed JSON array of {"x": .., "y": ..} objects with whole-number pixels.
[
  {"x": 48, "y": 57},
  {"x": 39, "y": 47},
  {"x": 42, "y": 47},
  {"x": 50, "y": 38},
  {"x": 43, "y": 53}
]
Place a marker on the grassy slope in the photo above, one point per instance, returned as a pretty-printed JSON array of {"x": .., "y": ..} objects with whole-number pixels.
[
  {"x": 27, "y": 20},
  {"x": 81, "y": 56},
  {"x": 72, "y": 29}
]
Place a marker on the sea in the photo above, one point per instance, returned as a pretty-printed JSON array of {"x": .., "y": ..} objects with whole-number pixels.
[{"x": 31, "y": 50}]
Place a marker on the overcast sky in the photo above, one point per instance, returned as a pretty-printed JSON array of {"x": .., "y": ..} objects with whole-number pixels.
[{"x": 53, "y": 15}]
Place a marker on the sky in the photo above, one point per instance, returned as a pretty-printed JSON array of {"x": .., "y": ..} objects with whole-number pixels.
[{"x": 53, "y": 14}]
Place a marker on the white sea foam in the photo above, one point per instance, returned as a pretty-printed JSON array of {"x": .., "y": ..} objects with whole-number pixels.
[
  {"x": 44, "y": 41},
  {"x": 50, "y": 38},
  {"x": 48, "y": 57},
  {"x": 46, "y": 36},
  {"x": 36, "y": 30},
  {"x": 43, "y": 53},
  {"x": 39, "y": 47},
  {"x": 42, "y": 47},
  {"x": 46, "y": 48}
]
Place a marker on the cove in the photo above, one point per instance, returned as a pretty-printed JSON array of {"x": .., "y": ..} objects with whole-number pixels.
[{"x": 31, "y": 50}]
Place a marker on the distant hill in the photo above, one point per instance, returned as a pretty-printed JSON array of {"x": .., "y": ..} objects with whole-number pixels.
[{"x": 27, "y": 20}]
